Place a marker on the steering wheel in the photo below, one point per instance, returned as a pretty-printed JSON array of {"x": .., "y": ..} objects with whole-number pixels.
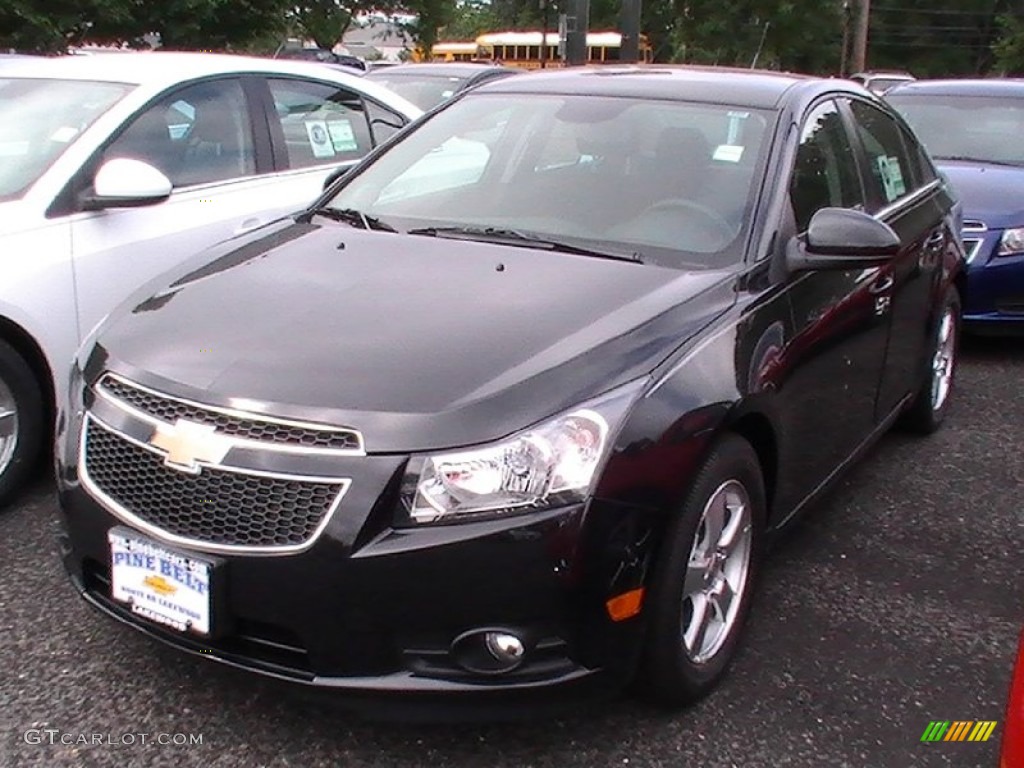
[{"x": 721, "y": 227}]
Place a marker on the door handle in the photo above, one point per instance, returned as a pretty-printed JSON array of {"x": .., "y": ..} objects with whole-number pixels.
[
  {"x": 247, "y": 226},
  {"x": 882, "y": 284}
]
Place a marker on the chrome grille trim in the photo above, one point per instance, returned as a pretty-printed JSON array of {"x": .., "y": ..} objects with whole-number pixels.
[
  {"x": 973, "y": 247},
  {"x": 359, "y": 449},
  {"x": 972, "y": 225},
  {"x": 139, "y": 523}
]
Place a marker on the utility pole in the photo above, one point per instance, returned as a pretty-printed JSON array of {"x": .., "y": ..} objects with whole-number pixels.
[
  {"x": 845, "y": 53},
  {"x": 860, "y": 36},
  {"x": 629, "y": 23},
  {"x": 577, "y": 24},
  {"x": 544, "y": 35}
]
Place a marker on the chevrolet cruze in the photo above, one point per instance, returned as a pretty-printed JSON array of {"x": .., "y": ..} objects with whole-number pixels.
[{"x": 509, "y": 415}]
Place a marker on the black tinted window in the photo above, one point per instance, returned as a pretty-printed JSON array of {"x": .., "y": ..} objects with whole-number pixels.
[
  {"x": 825, "y": 173},
  {"x": 891, "y": 171}
]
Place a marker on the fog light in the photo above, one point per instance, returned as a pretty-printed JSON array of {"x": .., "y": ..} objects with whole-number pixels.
[
  {"x": 489, "y": 650},
  {"x": 504, "y": 647}
]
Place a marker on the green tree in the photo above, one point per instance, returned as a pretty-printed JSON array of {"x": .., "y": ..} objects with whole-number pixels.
[
  {"x": 800, "y": 35},
  {"x": 325, "y": 21},
  {"x": 50, "y": 26},
  {"x": 1009, "y": 49},
  {"x": 935, "y": 38}
]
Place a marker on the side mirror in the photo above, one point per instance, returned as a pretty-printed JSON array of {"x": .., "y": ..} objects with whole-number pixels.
[
  {"x": 840, "y": 238},
  {"x": 126, "y": 183}
]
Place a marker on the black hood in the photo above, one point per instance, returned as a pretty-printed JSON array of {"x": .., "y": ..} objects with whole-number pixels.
[{"x": 420, "y": 343}]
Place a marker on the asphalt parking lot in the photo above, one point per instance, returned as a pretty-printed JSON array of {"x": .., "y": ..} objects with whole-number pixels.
[{"x": 898, "y": 601}]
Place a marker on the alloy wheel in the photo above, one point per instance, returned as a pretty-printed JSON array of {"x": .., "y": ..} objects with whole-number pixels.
[
  {"x": 944, "y": 359},
  {"x": 8, "y": 426},
  {"x": 716, "y": 573}
]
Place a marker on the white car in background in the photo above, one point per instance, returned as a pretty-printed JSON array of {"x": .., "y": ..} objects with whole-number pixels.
[{"x": 115, "y": 168}]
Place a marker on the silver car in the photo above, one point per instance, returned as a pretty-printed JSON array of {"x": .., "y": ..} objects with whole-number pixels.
[{"x": 114, "y": 168}]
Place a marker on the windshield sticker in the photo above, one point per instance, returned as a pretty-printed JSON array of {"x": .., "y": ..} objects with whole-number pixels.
[
  {"x": 892, "y": 177},
  {"x": 64, "y": 134},
  {"x": 318, "y": 138},
  {"x": 728, "y": 153},
  {"x": 342, "y": 136}
]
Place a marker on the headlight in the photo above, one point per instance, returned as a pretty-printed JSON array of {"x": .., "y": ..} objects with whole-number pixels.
[
  {"x": 1012, "y": 242},
  {"x": 551, "y": 464}
]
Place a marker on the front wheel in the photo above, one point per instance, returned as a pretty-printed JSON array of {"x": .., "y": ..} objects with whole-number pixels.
[
  {"x": 703, "y": 581},
  {"x": 932, "y": 402},
  {"x": 21, "y": 421}
]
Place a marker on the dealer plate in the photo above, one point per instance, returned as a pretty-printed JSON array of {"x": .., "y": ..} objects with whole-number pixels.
[{"x": 163, "y": 586}]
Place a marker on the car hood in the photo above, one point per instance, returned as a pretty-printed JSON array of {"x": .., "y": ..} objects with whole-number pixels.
[
  {"x": 993, "y": 194},
  {"x": 418, "y": 342}
]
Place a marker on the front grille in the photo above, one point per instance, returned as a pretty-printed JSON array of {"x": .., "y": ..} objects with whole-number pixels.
[
  {"x": 216, "y": 506},
  {"x": 170, "y": 409}
]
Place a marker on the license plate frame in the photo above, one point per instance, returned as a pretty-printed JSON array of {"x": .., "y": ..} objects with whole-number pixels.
[{"x": 166, "y": 586}]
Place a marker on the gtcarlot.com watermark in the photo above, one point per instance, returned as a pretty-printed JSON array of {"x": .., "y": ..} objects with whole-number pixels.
[{"x": 53, "y": 736}]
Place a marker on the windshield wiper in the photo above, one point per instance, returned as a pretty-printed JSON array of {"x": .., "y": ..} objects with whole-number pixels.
[
  {"x": 352, "y": 216},
  {"x": 500, "y": 236}
]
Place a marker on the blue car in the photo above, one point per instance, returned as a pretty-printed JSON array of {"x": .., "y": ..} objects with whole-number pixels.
[{"x": 974, "y": 130}]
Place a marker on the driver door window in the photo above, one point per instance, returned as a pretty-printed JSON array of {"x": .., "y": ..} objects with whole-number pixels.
[
  {"x": 825, "y": 173},
  {"x": 196, "y": 135}
]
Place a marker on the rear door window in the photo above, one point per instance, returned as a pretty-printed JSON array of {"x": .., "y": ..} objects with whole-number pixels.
[{"x": 323, "y": 123}]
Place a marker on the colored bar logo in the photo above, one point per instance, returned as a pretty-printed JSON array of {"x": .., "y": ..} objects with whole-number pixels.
[{"x": 959, "y": 730}]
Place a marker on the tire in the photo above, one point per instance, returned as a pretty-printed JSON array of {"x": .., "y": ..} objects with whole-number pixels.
[
  {"x": 21, "y": 421},
  {"x": 678, "y": 667},
  {"x": 929, "y": 408}
]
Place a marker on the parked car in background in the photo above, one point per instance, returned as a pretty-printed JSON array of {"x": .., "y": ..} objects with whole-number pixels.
[
  {"x": 352, "y": 64},
  {"x": 880, "y": 82},
  {"x": 427, "y": 85},
  {"x": 115, "y": 168},
  {"x": 975, "y": 131},
  {"x": 1011, "y": 754},
  {"x": 511, "y": 437}
]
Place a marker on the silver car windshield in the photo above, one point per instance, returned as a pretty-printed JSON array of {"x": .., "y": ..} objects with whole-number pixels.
[
  {"x": 673, "y": 182},
  {"x": 970, "y": 128},
  {"x": 40, "y": 119}
]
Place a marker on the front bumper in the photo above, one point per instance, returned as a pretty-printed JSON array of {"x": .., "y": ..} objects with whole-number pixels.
[
  {"x": 995, "y": 286},
  {"x": 372, "y": 618}
]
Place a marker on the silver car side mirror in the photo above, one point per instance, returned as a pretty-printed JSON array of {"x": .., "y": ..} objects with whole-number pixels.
[{"x": 124, "y": 183}]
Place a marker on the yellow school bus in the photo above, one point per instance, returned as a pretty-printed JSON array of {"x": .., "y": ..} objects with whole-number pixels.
[
  {"x": 454, "y": 51},
  {"x": 522, "y": 49}
]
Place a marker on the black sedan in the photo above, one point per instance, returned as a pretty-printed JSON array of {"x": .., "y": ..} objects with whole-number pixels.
[
  {"x": 427, "y": 85},
  {"x": 509, "y": 416}
]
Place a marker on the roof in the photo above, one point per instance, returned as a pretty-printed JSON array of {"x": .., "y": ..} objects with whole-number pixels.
[
  {"x": 156, "y": 67},
  {"x": 752, "y": 88},
  {"x": 1001, "y": 87},
  {"x": 460, "y": 69}
]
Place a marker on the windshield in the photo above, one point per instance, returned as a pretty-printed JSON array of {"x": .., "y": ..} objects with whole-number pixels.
[
  {"x": 425, "y": 91},
  {"x": 671, "y": 182},
  {"x": 39, "y": 119},
  {"x": 979, "y": 128}
]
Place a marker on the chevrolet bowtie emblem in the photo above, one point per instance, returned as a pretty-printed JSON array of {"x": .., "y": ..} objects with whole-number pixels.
[{"x": 188, "y": 443}]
